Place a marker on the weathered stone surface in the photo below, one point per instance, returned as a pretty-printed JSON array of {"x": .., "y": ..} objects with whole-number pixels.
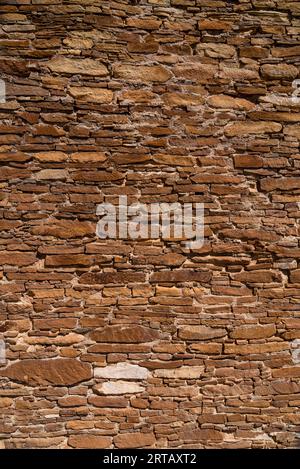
[
  {"x": 51, "y": 174},
  {"x": 91, "y": 95},
  {"x": 142, "y": 73},
  {"x": 118, "y": 387},
  {"x": 125, "y": 334},
  {"x": 57, "y": 372},
  {"x": 279, "y": 71},
  {"x": 229, "y": 102},
  {"x": 88, "y": 441},
  {"x": 247, "y": 128},
  {"x": 285, "y": 184},
  {"x": 122, "y": 371},
  {"x": 64, "y": 229},
  {"x": 253, "y": 332},
  {"x": 180, "y": 276},
  {"x": 111, "y": 277},
  {"x": 255, "y": 348},
  {"x": 200, "y": 332},
  {"x": 257, "y": 276},
  {"x": 248, "y": 161},
  {"x": 134, "y": 440},
  {"x": 216, "y": 50},
  {"x": 76, "y": 66},
  {"x": 138, "y": 343},
  {"x": 17, "y": 258},
  {"x": 88, "y": 157},
  {"x": 184, "y": 372}
]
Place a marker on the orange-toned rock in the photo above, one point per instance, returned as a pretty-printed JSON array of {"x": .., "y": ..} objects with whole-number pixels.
[
  {"x": 89, "y": 441},
  {"x": 125, "y": 334},
  {"x": 57, "y": 372},
  {"x": 134, "y": 440}
]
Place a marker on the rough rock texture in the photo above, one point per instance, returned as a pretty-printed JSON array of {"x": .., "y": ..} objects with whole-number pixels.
[{"x": 124, "y": 344}]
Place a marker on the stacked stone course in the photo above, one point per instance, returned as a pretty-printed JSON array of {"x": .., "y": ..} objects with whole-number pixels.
[{"x": 145, "y": 343}]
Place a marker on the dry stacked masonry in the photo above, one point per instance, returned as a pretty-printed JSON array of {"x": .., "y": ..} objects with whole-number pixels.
[{"x": 122, "y": 344}]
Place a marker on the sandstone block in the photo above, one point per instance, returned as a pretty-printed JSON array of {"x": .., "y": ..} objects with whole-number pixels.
[
  {"x": 121, "y": 371},
  {"x": 57, "y": 372},
  {"x": 77, "y": 66}
]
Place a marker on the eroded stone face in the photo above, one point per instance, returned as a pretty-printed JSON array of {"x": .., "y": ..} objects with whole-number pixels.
[
  {"x": 57, "y": 372},
  {"x": 118, "y": 387},
  {"x": 122, "y": 370}
]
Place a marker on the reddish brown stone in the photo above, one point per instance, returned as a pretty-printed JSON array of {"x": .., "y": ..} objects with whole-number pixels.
[
  {"x": 88, "y": 441},
  {"x": 134, "y": 440},
  {"x": 64, "y": 229},
  {"x": 111, "y": 277},
  {"x": 173, "y": 276},
  {"x": 125, "y": 334},
  {"x": 57, "y": 372}
]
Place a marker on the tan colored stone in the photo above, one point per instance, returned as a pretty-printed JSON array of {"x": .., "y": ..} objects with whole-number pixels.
[
  {"x": 279, "y": 71},
  {"x": 184, "y": 372},
  {"x": 200, "y": 332},
  {"x": 88, "y": 157},
  {"x": 50, "y": 156},
  {"x": 68, "y": 339},
  {"x": 91, "y": 95},
  {"x": 176, "y": 160},
  {"x": 292, "y": 131},
  {"x": 282, "y": 183},
  {"x": 255, "y": 348},
  {"x": 287, "y": 372},
  {"x": 118, "y": 387},
  {"x": 142, "y": 73},
  {"x": 182, "y": 99},
  {"x": 228, "y": 102},
  {"x": 54, "y": 174},
  {"x": 88, "y": 441},
  {"x": 247, "y": 128},
  {"x": 253, "y": 332},
  {"x": 90, "y": 67},
  {"x": 5, "y": 402},
  {"x": 134, "y": 440},
  {"x": 219, "y": 50},
  {"x": 207, "y": 348},
  {"x": 121, "y": 371}
]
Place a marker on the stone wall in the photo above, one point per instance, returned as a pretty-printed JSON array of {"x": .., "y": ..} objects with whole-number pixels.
[{"x": 121, "y": 344}]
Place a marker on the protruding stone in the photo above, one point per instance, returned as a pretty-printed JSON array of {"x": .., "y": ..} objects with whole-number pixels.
[
  {"x": 91, "y": 95},
  {"x": 279, "y": 71},
  {"x": 247, "y": 128},
  {"x": 56, "y": 372},
  {"x": 90, "y": 67},
  {"x": 229, "y": 102}
]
